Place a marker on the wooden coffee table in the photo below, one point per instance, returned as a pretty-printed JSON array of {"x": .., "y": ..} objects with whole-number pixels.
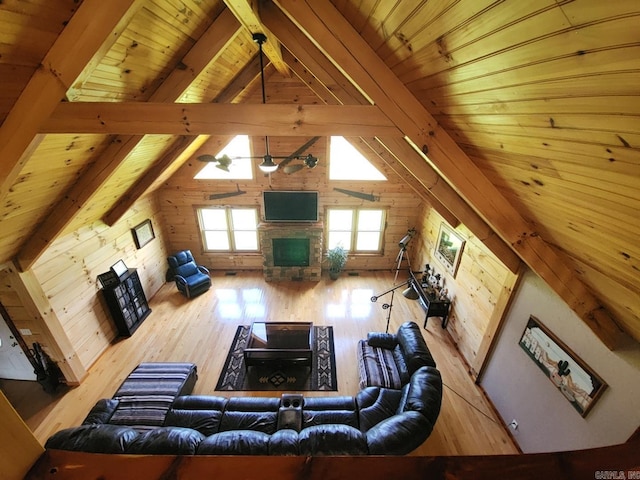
[{"x": 279, "y": 343}]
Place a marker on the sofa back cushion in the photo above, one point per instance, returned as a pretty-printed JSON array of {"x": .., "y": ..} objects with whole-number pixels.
[
  {"x": 415, "y": 350},
  {"x": 266, "y": 422},
  {"x": 375, "y": 404},
  {"x": 207, "y": 422}
]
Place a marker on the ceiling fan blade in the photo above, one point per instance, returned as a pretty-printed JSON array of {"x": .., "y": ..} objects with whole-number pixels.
[
  {"x": 299, "y": 151},
  {"x": 207, "y": 158},
  {"x": 293, "y": 168}
]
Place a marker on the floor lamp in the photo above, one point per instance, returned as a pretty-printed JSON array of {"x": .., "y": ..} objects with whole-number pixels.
[{"x": 409, "y": 293}]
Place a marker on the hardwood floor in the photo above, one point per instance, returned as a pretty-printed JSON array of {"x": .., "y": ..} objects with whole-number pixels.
[{"x": 200, "y": 331}]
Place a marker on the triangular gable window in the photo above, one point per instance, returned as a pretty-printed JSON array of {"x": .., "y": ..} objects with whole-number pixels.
[
  {"x": 239, "y": 169},
  {"x": 347, "y": 163}
]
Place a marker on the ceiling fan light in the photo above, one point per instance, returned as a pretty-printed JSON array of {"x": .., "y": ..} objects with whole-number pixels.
[{"x": 267, "y": 165}]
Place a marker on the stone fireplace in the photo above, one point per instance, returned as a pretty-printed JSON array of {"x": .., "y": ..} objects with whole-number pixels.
[{"x": 292, "y": 251}]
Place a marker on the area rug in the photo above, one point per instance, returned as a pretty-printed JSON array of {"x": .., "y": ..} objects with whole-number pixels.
[{"x": 321, "y": 377}]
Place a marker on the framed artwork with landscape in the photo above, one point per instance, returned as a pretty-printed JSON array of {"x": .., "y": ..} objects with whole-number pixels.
[
  {"x": 579, "y": 384},
  {"x": 449, "y": 248}
]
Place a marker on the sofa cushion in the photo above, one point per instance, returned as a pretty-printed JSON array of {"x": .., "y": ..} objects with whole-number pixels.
[
  {"x": 254, "y": 404},
  {"x": 167, "y": 441},
  {"x": 159, "y": 378},
  {"x": 377, "y": 367},
  {"x": 200, "y": 402},
  {"x": 207, "y": 422},
  {"x": 332, "y": 440},
  {"x": 236, "y": 442},
  {"x": 149, "y": 391},
  {"x": 416, "y": 352},
  {"x": 329, "y": 403},
  {"x": 101, "y": 411},
  {"x": 93, "y": 438},
  {"x": 376, "y": 404},
  {"x": 324, "y": 417},
  {"x": 266, "y": 422},
  {"x": 401, "y": 364}
]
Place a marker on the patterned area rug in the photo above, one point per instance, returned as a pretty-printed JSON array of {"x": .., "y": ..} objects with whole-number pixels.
[{"x": 322, "y": 375}]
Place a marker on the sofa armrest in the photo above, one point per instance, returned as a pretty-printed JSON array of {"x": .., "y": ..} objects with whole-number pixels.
[
  {"x": 95, "y": 438},
  {"x": 203, "y": 269},
  {"x": 102, "y": 411},
  {"x": 399, "y": 435},
  {"x": 382, "y": 340}
]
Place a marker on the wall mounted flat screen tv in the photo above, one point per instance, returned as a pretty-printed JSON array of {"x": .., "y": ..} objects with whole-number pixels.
[{"x": 290, "y": 206}]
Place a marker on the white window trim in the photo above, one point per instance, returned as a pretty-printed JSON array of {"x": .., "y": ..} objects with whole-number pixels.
[
  {"x": 229, "y": 230},
  {"x": 354, "y": 231}
]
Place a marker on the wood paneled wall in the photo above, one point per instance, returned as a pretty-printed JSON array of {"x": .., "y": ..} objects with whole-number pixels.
[
  {"x": 67, "y": 277},
  {"x": 182, "y": 195},
  {"x": 480, "y": 290}
]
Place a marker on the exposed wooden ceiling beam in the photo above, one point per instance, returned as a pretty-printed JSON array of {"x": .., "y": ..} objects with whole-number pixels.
[
  {"x": 306, "y": 54},
  {"x": 136, "y": 118},
  {"x": 381, "y": 151},
  {"x": 181, "y": 150},
  {"x": 83, "y": 36},
  {"x": 247, "y": 14},
  {"x": 394, "y": 151},
  {"x": 335, "y": 36},
  {"x": 431, "y": 181},
  {"x": 217, "y": 37}
]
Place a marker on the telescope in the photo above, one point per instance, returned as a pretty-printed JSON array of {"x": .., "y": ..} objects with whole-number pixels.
[{"x": 406, "y": 239}]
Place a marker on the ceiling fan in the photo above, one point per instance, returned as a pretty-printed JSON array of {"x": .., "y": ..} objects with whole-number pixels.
[{"x": 268, "y": 165}]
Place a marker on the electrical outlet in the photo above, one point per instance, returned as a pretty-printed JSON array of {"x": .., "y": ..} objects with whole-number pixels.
[
  {"x": 25, "y": 331},
  {"x": 514, "y": 424}
]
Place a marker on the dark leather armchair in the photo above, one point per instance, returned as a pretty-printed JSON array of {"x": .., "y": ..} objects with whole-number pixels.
[{"x": 191, "y": 279}]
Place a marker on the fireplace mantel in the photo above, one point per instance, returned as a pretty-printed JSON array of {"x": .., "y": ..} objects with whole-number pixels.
[{"x": 312, "y": 231}]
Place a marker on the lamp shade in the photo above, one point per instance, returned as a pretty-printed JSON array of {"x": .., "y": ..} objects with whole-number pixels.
[
  {"x": 267, "y": 165},
  {"x": 410, "y": 293}
]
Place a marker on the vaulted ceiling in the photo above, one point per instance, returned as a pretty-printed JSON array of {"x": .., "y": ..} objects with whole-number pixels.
[{"x": 519, "y": 119}]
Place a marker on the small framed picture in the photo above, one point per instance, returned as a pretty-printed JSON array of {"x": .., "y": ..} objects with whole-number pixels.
[
  {"x": 119, "y": 268},
  {"x": 143, "y": 233}
]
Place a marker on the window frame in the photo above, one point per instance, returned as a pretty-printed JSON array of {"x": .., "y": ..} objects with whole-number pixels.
[
  {"x": 229, "y": 230},
  {"x": 354, "y": 229}
]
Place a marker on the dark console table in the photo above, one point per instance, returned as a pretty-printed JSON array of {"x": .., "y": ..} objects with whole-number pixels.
[{"x": 433, "y": 306}]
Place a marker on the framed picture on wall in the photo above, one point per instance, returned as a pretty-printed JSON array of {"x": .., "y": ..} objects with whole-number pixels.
[
  {"x": 449, "y": 247},
  {"x": 571, "y": 376},
  {"x": 143, "y": 233}
]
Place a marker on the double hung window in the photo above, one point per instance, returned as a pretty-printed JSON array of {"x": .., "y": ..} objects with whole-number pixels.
[{"x": 228, "y": 229}]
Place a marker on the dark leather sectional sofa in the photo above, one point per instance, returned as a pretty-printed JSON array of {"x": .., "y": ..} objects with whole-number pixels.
[{"x": 377, "y": 421}]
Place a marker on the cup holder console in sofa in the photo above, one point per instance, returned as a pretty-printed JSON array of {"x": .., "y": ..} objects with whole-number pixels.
[{"x": 377, "y": 421}]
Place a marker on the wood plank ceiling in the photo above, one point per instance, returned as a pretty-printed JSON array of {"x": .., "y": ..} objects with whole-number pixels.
[{"x": 529, "y": 112}]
